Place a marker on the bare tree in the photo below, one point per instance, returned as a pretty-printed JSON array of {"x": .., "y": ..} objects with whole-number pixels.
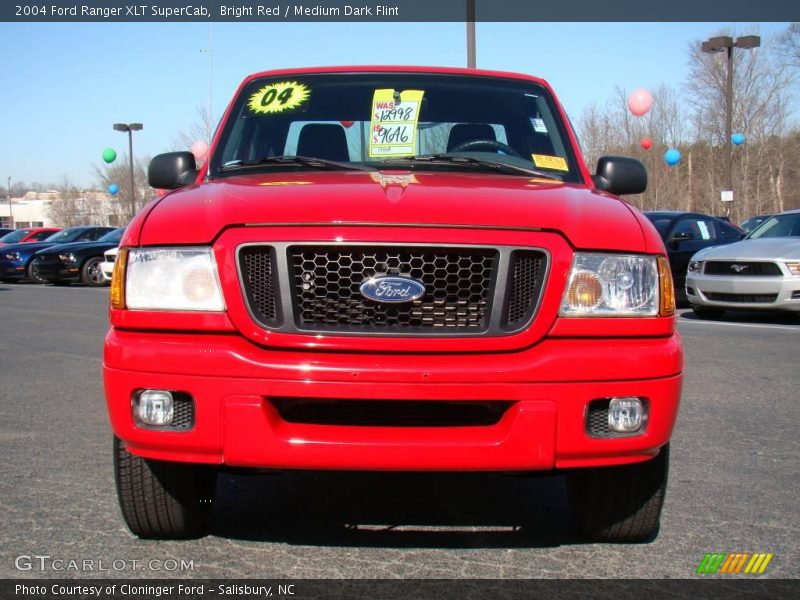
[{"x": 119, "y": 173}]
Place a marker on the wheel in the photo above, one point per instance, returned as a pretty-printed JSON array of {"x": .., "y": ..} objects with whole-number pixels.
[
  {"x": 489, "y": 144},
  {"x": 163, "y": 500},
  {"x": 91, "y": 274},
  {"x": 620, "y": 504},
  {"x": 32, "y": 276},
  {"x": 706, "y": 312}
]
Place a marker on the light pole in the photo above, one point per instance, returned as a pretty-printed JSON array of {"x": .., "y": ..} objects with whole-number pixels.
[
  {"x": 470, "y": 34},
  {"x": 130, "y": 128},
  {"x": 727, "y": 44}
]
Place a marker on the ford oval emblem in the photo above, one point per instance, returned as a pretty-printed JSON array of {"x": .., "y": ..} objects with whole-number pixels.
[{"x": 384, "y": 288}]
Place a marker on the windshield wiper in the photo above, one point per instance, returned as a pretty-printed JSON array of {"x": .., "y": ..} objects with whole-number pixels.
[
  {"x": 468, "y": 160},
  {"x": 295, "y": 161}
]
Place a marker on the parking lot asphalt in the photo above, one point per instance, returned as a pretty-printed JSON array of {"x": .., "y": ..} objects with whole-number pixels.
[{"x": 733, "y": 485}]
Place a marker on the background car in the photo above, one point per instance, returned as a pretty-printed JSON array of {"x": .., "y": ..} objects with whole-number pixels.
[
  {"x": 76, "y": 262},
  {"x": 16, "y": 259},
  {"x": 107, "y": 266},
  {"x": 684, "y": 233},
  {"x": 4, "y": 231},
  {"x": 753, "y": 222},
  {"x": 761, "y": 272},
  {"x": 32, "y": 234}
]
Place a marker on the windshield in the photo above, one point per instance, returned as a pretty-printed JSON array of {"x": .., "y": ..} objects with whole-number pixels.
[
  {"x": 66, "y": 235},
  {"x": 778, "y": 226},
  {"x": 113, "y": 236},
  {"x": 14, "y": 236},
  {"x": 662, "y": 224},
  {"x": 377, "y": 119}
]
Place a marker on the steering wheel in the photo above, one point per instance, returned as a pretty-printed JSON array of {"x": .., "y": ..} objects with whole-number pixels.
[{"x": 490, "y": 144}]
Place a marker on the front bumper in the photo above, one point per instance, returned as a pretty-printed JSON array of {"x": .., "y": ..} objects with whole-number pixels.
[
  {"x": 12, "y": 270},
  {"x": 55, "y": 270},
  {"x": 549, "y": 385},
  {"x": 744, "y": 293}
]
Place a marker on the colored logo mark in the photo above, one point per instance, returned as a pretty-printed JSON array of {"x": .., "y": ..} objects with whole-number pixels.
[{"x": 735, "y": 563}]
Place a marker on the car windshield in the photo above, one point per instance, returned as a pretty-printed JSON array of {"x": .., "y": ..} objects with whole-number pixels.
[
  {"x": 113, "y": 236},
  {"x": 14, "y": 236},
  {"x": 66, "y": 235},
  {"x": 778, "y": 226},
  {"x": 396, "y": 120},
  {"x": 662, "y": 224}
]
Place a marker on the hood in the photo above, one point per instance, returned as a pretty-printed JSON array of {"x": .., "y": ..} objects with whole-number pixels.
[
  {"x": 81, "y": 247},
  {"x": 27, "y": 247},
  {"x": 781, "y": 248},
  {"x": 588, "y": 218}
]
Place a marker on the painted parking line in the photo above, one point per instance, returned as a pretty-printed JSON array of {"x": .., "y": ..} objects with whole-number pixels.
[{"x": 793, "y": 328}]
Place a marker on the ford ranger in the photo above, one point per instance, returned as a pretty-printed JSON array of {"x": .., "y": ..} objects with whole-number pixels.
[{"x": 394, "y": 269}]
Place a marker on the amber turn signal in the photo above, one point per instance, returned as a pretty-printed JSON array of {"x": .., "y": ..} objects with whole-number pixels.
[
  {"x": 667, "y": 306},
  {"x": 118, "y": 280}
]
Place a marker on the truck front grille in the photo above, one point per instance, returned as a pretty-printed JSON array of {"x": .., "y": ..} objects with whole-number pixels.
[
  {"x": 326, "y": 288},
  {"x": 469, "y": 290}
]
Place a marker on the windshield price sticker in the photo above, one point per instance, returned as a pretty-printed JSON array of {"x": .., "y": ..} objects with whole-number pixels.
[
  {"x": 393, "y": 124},
  {"x": 545, "y": 161},
  {"x": 278, "y": 97}
]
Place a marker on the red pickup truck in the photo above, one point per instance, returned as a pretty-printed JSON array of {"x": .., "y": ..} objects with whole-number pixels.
[{"x": 393, "y": 268}]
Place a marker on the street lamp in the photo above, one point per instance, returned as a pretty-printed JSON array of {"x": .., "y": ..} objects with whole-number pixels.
[
  {"x": 470, "y": 34},
  {"x": 727, "y": 44},
  {"x": 130, "y": 128}
]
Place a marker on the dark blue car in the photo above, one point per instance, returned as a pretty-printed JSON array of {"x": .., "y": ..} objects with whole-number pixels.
[{"x": 16, "y": 259}]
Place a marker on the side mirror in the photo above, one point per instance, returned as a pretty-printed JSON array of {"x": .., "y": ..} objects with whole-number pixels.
[
  {"x": 620, "y": 175},
  {"x": 172, "y": 170}
]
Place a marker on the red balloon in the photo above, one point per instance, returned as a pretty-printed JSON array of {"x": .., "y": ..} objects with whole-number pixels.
[
  {"x": 647, "y": 143},
  {"x": 347, "y": 124}
]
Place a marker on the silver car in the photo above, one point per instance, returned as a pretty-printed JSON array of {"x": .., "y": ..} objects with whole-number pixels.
[{"x": 762, "y": 272}]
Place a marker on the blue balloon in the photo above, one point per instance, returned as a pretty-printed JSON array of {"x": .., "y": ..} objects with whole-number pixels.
[
  {"x": 113, "y": 189},
  {"x": 737, "y": 139},
  {"x": 672, "y": 157}
]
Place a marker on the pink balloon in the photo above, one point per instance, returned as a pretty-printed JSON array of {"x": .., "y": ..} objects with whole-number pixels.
[
  {"x": 640, "y": 102},
  {"x": 200, "y": 150}
]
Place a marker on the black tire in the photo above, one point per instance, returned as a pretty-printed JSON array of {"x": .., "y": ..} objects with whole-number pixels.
[
  {"x": 620, "y": 504},
  {"x": 163, "y": 500},
  {"x": 91, "y": 274},
  {"x": 32, "y": 276},
  {"x": 707, "y": 312}
]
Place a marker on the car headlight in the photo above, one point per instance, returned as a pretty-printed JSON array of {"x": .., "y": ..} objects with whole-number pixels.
[
  {"x": 172, "y": 279},
  {"x": 794, "y": 267},
  {"x": 13, "y": 256},
  {"x": 609, "y": 285},
  {"x": 695, "y": 266},
  {"x": 67, "y": 258}
]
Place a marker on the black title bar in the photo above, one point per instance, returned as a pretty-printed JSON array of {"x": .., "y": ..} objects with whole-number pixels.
[{"x": 273, "y": 11}]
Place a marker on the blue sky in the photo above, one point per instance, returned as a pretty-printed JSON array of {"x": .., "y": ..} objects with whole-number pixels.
[{"x": 65, "y": 84}]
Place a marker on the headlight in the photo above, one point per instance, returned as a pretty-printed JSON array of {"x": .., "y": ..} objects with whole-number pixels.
[
  {"x": 794, "y": 267},
  {"x": 608, "y": 285},
  {"x": 695, "y": 266},
  {"x": 67, "y": 258},
  {"x": 172, "y": 279},
  {"x": 13, "y": 256}
]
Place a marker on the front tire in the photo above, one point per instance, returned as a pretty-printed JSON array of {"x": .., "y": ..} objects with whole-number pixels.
[
  {"x": 620, "y": 504},
  {"x": 163, "y": 500},
  {"x": 91, "y": 274},
  {"x": 32, "y": 276}
]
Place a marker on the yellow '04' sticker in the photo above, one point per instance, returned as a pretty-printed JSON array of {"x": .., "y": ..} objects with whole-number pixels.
[
  {"x": 545, "y": 161},
  {"x": 278, "y": 97}
]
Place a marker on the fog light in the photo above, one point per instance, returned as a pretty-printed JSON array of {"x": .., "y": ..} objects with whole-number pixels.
[
  {"x": 153, "y": 407},
  {"x": 625, "y": 415}
]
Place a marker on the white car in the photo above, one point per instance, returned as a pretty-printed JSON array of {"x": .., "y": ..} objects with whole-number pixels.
[
  {"x": 107, "y": 266},
  {"x": 762, "y": 272}
]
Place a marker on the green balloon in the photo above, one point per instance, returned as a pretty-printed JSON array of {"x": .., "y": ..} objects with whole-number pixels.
[{"x": 109, "y": 155}]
